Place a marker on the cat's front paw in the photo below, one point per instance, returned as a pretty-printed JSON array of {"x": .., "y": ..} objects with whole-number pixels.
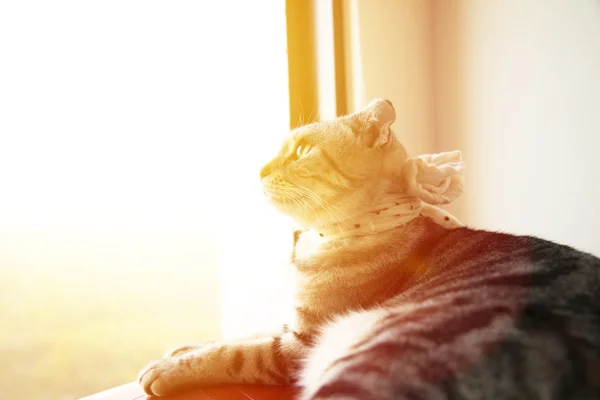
[{"x": 163, "y": 377}]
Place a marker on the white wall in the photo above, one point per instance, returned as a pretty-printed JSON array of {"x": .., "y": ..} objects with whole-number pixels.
[
  {"x": 532, "y": 110},
  {"x": 387, "y": 44},
  {"x": 514, "y": 84}
]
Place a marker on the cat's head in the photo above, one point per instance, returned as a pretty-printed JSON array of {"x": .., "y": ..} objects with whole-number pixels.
[{"x": 331, "y": 171}]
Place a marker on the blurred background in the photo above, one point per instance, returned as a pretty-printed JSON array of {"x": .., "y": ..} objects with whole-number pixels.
[{"x": 131, "y": 134}]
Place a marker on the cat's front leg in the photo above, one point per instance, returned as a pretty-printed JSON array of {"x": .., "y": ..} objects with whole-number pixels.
[{"x": 269, "y": 360}]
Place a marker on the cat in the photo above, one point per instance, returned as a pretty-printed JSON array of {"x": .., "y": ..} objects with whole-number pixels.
[{"x": 396, "y": 298}]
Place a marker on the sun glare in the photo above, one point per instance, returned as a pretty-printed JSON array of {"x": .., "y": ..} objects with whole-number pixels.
[{"x": 131, "y": 138}]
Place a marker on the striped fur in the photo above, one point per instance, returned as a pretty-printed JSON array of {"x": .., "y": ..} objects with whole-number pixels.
[
  {"x": 488, "y": 316},
  {"x": 267, "y": 360},
  {"x": 412, "y": 312},
  {"x": 479, "y": 315}
]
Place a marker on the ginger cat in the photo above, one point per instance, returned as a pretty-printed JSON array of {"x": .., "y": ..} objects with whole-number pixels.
[{"x": 396, "y": 300}]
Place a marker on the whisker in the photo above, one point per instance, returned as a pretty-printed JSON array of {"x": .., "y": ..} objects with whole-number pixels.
[
  {"x": 295, "y": 194},
  {"x": 327, "y": 206},
  {"x": 321, "y": 200},
  {"x": 299, "y": 200},
  {"x": 301, "y": 116},
  {"x": 316, "y": 116}
]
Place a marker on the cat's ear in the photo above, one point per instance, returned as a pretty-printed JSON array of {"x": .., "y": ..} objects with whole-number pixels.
[
  {"x": 376, "y": 118},
  {"x": 384, "y": 115}
]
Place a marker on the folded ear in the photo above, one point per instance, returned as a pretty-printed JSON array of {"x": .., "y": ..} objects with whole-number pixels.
[
  {"x": 435, "y": 178},
  {"x": 375, "y": 121}
]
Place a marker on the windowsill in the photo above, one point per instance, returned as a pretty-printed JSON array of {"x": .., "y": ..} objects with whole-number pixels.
[
  {"x": 129, "y": 391},
  {"x": 132, "y": 391}
]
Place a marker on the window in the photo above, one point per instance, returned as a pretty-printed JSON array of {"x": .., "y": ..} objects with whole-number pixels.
[{"x": 131, "y": 135}]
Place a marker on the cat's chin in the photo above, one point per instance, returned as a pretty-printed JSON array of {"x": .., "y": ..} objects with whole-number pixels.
[
  {"x": 301, "y": 221},
  {"x": 283, "y": 208}
]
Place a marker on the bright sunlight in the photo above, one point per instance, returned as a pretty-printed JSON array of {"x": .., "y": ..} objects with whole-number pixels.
[{"x": 131, "y": 220}]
